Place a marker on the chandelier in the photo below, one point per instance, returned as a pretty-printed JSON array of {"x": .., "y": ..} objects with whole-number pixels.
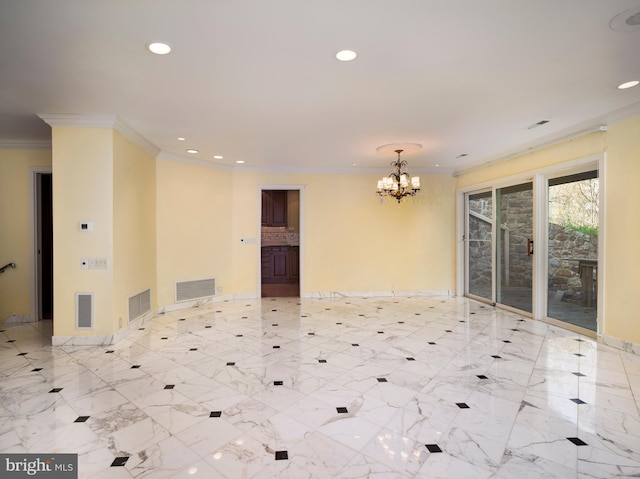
[{"x": 399, "y": 184}]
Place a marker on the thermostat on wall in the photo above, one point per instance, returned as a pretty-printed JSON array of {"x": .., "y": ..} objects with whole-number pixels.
[{"x": 86, "y": 226}]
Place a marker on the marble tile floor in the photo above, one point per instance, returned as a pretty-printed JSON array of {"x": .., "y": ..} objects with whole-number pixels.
[{"x": 429, "y": 387}]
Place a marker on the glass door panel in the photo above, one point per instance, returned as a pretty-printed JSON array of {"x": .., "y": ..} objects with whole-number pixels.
[
  {"x": 479, "y": 227},
  {"x": 572, "y": 261},
  {"x": 514, "y": 246}
]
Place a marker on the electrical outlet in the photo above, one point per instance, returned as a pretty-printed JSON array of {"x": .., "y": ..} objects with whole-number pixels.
[{"x": 84, "y": 263}]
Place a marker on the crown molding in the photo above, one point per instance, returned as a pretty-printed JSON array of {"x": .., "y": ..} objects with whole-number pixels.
[
  {"x": 77, "y": 120},
  {"x": 166, "y": 155},
  {"x": 128, "y": 132},
  {"x": 25, "y": 144}
]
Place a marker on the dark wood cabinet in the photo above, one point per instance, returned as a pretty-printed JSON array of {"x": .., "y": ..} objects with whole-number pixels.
[
  {"x": 280, "y": 264},
  {"x": 274, "y": 208}
]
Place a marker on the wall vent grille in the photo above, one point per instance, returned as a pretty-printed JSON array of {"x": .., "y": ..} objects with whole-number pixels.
[
  {"x": 196, "y": 289},
  {"x": 84, "y": 310},
  {"x": 139, "y": 304}
]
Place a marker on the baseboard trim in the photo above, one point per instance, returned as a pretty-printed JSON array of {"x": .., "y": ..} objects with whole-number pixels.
[
  {"x": 627, "y": 346},
  {"x": 19, "y": 318}
]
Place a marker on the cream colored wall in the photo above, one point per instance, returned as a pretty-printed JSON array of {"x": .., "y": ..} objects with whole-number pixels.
[
  {"x": 577, "y": 148},
  {"x": 194, "y": 223},
  {"x": 82, "y": 191},
  {"x": 16, "y": 228},
  {"x": 352, "y": 242},
  {"x": 134, "y": 229},
  {"x": 622, "y": 229}
]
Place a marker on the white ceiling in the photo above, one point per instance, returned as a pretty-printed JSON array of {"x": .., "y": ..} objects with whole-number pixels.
[{"x": 258, "y": 81}]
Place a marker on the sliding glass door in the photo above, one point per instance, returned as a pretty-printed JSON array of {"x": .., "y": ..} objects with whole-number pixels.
[
  {"x": 554, "y": 279},
  {"x": 572, "y": 253},
  {"x": 499, "y": 246},
  {"x": 480, "y": 244},
  {"x": 514, "y": 246}
]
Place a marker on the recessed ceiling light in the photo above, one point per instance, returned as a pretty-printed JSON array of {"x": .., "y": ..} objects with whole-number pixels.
[
  {"x": 346, "y": 55},
  {"x": 240, "y": 162},
  {"x": 218, "y": 157},
  {"x": 628, "y": 84},
  {"x": 437, "y": 164},
  {"x": 159, "y": 48},
  {"x": 191, "y": 150},
  {"x": 181, "y": 139}
]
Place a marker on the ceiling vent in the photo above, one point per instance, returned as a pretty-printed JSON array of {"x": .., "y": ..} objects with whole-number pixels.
[{"x": 540, "y": 123}]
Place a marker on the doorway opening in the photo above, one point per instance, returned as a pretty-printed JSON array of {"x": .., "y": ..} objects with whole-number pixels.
[
  {"x": 280, "y": 243},
  {"x": 43, "y": 245}
]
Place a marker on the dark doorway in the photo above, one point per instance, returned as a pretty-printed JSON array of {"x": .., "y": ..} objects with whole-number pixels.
[
  {"x": 45, "y": 246},
  {"x": 280, "y": 242}
]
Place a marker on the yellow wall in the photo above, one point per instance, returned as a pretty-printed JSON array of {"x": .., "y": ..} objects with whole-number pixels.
[
  {"x": 134, "y": 230},
  {"x": 350, "y": 241},
  {"x": 82, "y": 191},
  {"x": 194, "y": 222},
  {"x": 16, "y": 228},
  {"x": 622, "y": 229}
]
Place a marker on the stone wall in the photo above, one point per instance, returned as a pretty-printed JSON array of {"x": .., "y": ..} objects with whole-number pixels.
[{"x": 566, "y": 248}]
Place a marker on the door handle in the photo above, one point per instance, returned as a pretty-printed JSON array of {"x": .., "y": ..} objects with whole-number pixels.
[{"x": 529, "y": 247}]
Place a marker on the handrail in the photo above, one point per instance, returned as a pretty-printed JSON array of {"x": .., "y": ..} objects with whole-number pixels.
[{"x": 8, "y": 265}]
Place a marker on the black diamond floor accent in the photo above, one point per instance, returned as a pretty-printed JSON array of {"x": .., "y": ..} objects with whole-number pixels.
[
  {"x": 245, "y": 317},
  {"x": 431, "y": 342},
  {"x": 82, "y": 419},
  {"x": 276, "y": 347},
  {"x": 55, "y": 390},
  {"x": 361, "y": 315},
  {"x": 433, "y": 448},
  {"x": 11, "y": 341},
  {"x": 482, "y": 376},
  {"x": 579, "y": 374},
  {"x": 462, "y": 405},
  {"x": 274, "y": 310},
  {"x": 231, "y": 364},
  {"x": 448, "y": 331},
  {"x": 170, "y": 386},
  {"x": 579, "y": 340},
  {"x": 495, "y": 356},
  {"x": 342, "y": 410},
  {"x": 577, "y": 441},
  {"x": 506, "y": 341},
  {"x": 238, "y": 335},
  {"x": 182, "y": 319},
  {"x": 355, "y": 344},
  {"x": 338, "y": 323},
  {"x": 578, "y": 354},
  {"x": 278, "y": 383},
  {"x": 282, "y": 455},
  {"x": 22, "y": 354},
  {"x": 140, "y": 329},
  {"x": 111, "y": 351},
  {"x": 380, "y": 332},
  {"x": 274, "y": 324},
  {"x": 322, "y": 361},
  {"x": 119, "y": 461},
  {"x": 472, "y": 313},
  {"x": 193, "y": 349},
  {"x": 207, "y": 327},
  {"x": 215, "y": 414},
  {"x": 402, "y": 322},
  {"x": 515, "y": 329},
  {"x": 381, "y": 380},
  {"x": 36, "y": 370},
  {"x": 578, "y": 401},
  {"x": 461, "y": 321},
  {"x": 411, "y": 359},
  {"x": 312, "y": 334},
  {"x": 218, "y": 311},
  {"x": 135, "y": 366}
]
